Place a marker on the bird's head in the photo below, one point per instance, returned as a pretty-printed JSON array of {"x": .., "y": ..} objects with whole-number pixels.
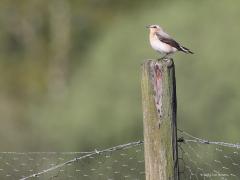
[{"x": 154, "y": 28}]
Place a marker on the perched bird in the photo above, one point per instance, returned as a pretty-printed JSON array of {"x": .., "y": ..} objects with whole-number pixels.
[{"x": 163, "y": 43}]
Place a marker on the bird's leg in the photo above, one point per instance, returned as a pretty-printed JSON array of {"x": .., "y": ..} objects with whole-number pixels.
[
  {"x": 161, "y": 58},
  {"x": 164, "y": 57}
]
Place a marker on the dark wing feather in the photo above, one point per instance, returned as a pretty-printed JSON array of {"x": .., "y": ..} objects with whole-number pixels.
[{"x": 169, "y": 41}]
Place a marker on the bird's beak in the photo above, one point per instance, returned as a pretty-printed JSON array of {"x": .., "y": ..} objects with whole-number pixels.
[{"x": 148, "y": 26}]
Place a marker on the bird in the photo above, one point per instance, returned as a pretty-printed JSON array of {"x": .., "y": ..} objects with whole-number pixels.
[{"x": 161, "y": 42}]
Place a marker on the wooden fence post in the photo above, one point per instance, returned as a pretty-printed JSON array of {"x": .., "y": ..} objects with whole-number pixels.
[{"x": 159, "y": 119}]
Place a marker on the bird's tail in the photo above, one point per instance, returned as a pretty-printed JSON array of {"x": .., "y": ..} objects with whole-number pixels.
[{"x": 186, "y": 50}]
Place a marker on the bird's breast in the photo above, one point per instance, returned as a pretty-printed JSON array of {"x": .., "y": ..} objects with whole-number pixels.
[{"x": 159, "y": 46}]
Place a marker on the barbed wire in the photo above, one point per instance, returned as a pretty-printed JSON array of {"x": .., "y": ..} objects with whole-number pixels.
[
  {"x": 204, "y": 141},
  {"x": 205, "y": 159},
  {"x": 92, "y": 153},
  {"x": 46, "y": 152},
  {"x": 193, "y": 146}
]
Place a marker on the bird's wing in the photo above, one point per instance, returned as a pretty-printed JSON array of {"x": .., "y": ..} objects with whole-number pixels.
[
  {"x": 164, "y": 34},
  {"x": 169, "y": 41}
]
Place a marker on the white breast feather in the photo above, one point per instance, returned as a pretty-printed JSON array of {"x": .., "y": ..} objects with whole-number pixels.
[{"x": 160, "y": 46}]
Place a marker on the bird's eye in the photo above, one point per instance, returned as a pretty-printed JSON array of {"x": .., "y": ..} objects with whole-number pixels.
[{"x": 154, "y": 26}]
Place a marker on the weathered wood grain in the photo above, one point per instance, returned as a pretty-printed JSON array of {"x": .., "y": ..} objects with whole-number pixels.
[{"x": 159, "y": 118}]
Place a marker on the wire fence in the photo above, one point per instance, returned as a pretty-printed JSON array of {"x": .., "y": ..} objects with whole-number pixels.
[
  {"x": 120, "y": 162},
  {"x": 198, "y": 159},
  {"x": 203, "y": 159}
]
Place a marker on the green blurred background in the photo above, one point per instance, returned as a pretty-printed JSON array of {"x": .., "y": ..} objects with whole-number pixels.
[{"x": 70, "y": 70}]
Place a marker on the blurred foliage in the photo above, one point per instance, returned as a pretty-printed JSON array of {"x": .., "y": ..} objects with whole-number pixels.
[{"x": 70, "y": 70}]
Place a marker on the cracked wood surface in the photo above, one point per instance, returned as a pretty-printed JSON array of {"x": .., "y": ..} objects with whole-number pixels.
[{"x": 159, "y": 119}]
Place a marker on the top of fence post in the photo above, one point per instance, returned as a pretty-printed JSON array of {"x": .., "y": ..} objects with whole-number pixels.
[{"x": 159, "y": 118}]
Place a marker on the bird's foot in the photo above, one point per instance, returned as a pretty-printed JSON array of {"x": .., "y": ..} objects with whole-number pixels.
[
  {"x": 164, "y": 58},
  {"x": 169, "y": 62},
  {"x": 161, "y": 58}
]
